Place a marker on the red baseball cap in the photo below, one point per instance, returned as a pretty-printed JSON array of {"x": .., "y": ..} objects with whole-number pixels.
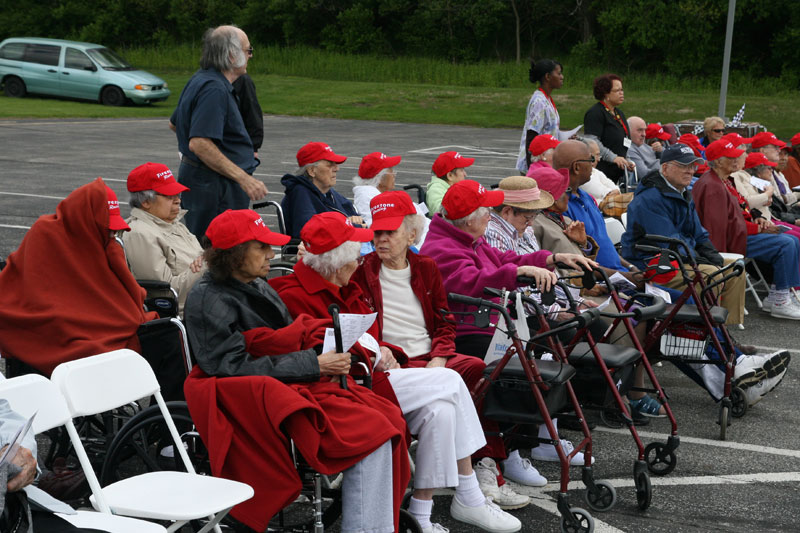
[
  {"x": 737, "y": 139},
  {"x": 755, "y": 159},
  {"x": 542, "y": 143},
  {"x": 389, "y": 209},
  {"x": 766, "y": 138},
  {"x": 722, "y": 148},
  {"x": 466, "y": 196},
  {"x": 233, "y": 227},
  {"x": 325, "y": 231},
  {"x": 154, "y": 177},
  {"x": 449, "y": 161},
  {"x": 652, "y": 273},
  {"x": 373, "y": 163},
  {"x": 691, "y": 140},
  {"x": 115, "y": 220},
  {"x": 316, "y": 151},
  {"x": 795, "y": 140},
  {"x": 656, "y": 131}
]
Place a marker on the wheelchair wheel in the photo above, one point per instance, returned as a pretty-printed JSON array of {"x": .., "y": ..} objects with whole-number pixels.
[
  {"x": 738, "y": 402},
  {"x": 581, "y": 521},
  {"x": 724, "y": 419},
  {"x": 408, "y": 524},
  {"x": 145, "y": 445},
  {"x": 644, "y": 490},
  {"x": 658, "y": 462},
  {"x": 603, "y": 499}
]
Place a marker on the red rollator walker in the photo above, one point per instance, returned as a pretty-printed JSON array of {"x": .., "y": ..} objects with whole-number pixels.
[{"x": 517, "y": 391}]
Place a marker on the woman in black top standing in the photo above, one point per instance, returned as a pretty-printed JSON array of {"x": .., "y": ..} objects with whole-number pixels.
[{"x": 606, "y": 123}]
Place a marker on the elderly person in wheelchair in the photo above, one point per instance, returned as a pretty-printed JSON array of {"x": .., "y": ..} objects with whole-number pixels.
[
  {"x": 66, "y": 292},
  {"x": 159, "y": 246},
  {"x": 435, "y": 401},
  {"x": 260, "y": 373}
]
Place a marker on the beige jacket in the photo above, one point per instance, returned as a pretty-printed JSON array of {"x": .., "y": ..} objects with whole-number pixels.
[
  {"x": 161, "y": 250},
  {"x": 756, "y": 199},
  {"x": 551, "y": 237}
]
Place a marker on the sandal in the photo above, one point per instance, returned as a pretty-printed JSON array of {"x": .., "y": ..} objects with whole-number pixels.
[{"x": 647, "y": 406}]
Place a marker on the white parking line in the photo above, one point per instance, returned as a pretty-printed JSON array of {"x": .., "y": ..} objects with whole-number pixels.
[
  {"x": 709, "y": 442},
  {"x": 669, "y": 481},
  {"x": 12, "y": 226},
  {"x": 33, "y": 195}
]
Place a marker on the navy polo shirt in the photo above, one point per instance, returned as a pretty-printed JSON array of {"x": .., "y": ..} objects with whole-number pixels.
[
  {"x": 207, "y": 108},
  {"x": 583, "y": 208}
]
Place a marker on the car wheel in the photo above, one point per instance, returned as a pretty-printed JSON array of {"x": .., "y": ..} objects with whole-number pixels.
[
  {"x": 112, "y": 95},
  {"x": 15, "y": 87}
]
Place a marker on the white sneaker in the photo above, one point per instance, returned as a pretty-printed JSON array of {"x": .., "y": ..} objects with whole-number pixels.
[
  {"x": 503, "y": 496},
  {"x": 487, "y": 516},
  {"x": 435, "y": 528},
  {"x": 766, "y": 304},
  {"x": 775, "y": 367},
  {"x": 522, "y": 471},
  {"x": 785, "y": 310},
  {"x": 547, "y": 452},
  {"x": 749, "y": 371}
]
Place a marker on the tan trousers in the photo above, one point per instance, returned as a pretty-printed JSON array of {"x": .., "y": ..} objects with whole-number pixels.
[{"x": 732, "y": 297}]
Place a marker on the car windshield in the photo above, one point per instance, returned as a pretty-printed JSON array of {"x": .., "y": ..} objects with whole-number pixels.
[{"x": 108, "y": 59}]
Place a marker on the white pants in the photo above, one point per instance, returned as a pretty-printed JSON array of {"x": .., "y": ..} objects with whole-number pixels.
[{"x": 438, "y": 409}]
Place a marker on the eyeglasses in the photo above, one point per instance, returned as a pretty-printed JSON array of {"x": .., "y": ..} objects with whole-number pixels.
[
  {"x": 528, "y": 214},
  {"x": 718, "y": 130},
  {"x": 170, "y": 197},
  {"x": 249, "y": 51},
  {"x": 685, "y": 168},
  {"x": 569, "y": 190},
  {"x": 590, "y": 160}
]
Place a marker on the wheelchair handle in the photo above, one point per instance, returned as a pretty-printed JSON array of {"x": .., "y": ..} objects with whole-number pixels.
[
  {"x": 548, "y": 298},
  {"x": 654, "y": 310},
  {"x": 333, "y": 309},
  {"x": 729, "y": 271},
  {"x": 480, "y": 302},
  {"x": 259, "y": 205},
  {"x": 669, "y": 240}
]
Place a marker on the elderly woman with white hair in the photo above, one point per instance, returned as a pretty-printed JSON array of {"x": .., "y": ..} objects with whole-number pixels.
[
  {"x": 311, "y": 189},
  {"x": 468, "y": 263},
  {"x": 159, "y": 246},
  {"x": 435, "y": 401},
  {"x": 376, "y": 175}
]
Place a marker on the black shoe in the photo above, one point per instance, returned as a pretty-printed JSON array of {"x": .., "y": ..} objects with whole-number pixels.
[
  {"x": 613, "y": 418},
  {"x": 571, "y": 422}
]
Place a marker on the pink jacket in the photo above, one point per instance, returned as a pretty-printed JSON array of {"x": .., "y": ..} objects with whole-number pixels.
[{"x": 467, "y": 266}]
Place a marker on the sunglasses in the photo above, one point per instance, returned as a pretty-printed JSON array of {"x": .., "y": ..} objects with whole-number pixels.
[
  {"x": 528, "y": 215},
  {"x": 590, "y": 160},
  {"x": 718, "y": 130}
]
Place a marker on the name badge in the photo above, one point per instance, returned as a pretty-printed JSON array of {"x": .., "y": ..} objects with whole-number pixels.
[{"x": 626, "y": 142}]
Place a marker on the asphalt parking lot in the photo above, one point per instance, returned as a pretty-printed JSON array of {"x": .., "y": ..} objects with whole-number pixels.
[{"x": 751, "y": 482}]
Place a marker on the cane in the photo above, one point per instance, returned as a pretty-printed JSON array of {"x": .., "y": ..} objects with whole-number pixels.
[{"x": 333, "y": 309}]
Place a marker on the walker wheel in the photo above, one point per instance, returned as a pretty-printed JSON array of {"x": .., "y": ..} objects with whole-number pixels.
[
  {"x": 658, "y": 462},
  {"x": 408, "y": 524},
  {"x": 580, "y": 521},
  {"x": 738, "y": 402},
  {"x": 603, "y": 498},
  {"x": 724, "y": 421},
  {"x": 644, "y": 490}
]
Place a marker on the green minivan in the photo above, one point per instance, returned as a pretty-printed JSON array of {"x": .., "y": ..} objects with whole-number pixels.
[{"x": 75, "y": 70}]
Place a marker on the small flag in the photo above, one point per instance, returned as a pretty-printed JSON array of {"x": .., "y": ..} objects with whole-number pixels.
[
  {"x": 737, "y": 118},
  {"x": 698, "y": 129}
]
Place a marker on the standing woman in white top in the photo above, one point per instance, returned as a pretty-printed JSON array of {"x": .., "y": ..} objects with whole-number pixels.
[{"x": 541, "y": 116}]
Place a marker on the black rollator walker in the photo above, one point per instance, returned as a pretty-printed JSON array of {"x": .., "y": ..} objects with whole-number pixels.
[{"x": 517, "y": 390}]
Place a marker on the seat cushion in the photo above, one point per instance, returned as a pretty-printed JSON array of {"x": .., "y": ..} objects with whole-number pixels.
[
  {"x": 552, "y": 372},
  {"x": 689, "y": 313},
  {"x": 614, "y": 356}
]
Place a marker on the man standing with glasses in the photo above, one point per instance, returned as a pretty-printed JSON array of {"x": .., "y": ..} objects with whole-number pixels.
[{"x": 218, "y": 158}]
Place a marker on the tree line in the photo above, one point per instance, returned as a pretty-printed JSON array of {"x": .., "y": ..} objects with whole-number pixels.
[{"x": 677, "y": 37}]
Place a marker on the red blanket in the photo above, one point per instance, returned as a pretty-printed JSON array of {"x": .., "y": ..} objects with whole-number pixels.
[
  {"x": 67, "y": 292},
  {"x": 245, "y": 423}
]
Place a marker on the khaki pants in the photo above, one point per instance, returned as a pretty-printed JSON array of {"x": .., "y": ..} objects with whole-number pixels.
[{"x": 732, "y": 297}]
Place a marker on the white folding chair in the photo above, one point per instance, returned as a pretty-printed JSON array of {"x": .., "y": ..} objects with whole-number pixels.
[
  {"x": 33, "y": 393},
  {"x": 615, "y": 230},
  {"x": 103, "y": 382},
  {"x": 624, "y": 219}
]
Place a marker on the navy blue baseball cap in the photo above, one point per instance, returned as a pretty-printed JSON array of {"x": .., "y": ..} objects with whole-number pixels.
[{"x": 679, "y": 153}]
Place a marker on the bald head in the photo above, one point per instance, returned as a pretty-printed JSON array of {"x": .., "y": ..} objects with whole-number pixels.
[
  {"x": 575, "y": 156},
  {"x": 638, "y": 130}
]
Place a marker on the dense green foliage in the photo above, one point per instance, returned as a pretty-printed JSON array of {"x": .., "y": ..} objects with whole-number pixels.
[{"x": 678, "y": 38}]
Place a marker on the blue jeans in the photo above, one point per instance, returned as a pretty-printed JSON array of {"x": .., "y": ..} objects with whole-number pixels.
[
  {"x": 782, "y": 252},
  {"x": 210, "y": 194}
]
